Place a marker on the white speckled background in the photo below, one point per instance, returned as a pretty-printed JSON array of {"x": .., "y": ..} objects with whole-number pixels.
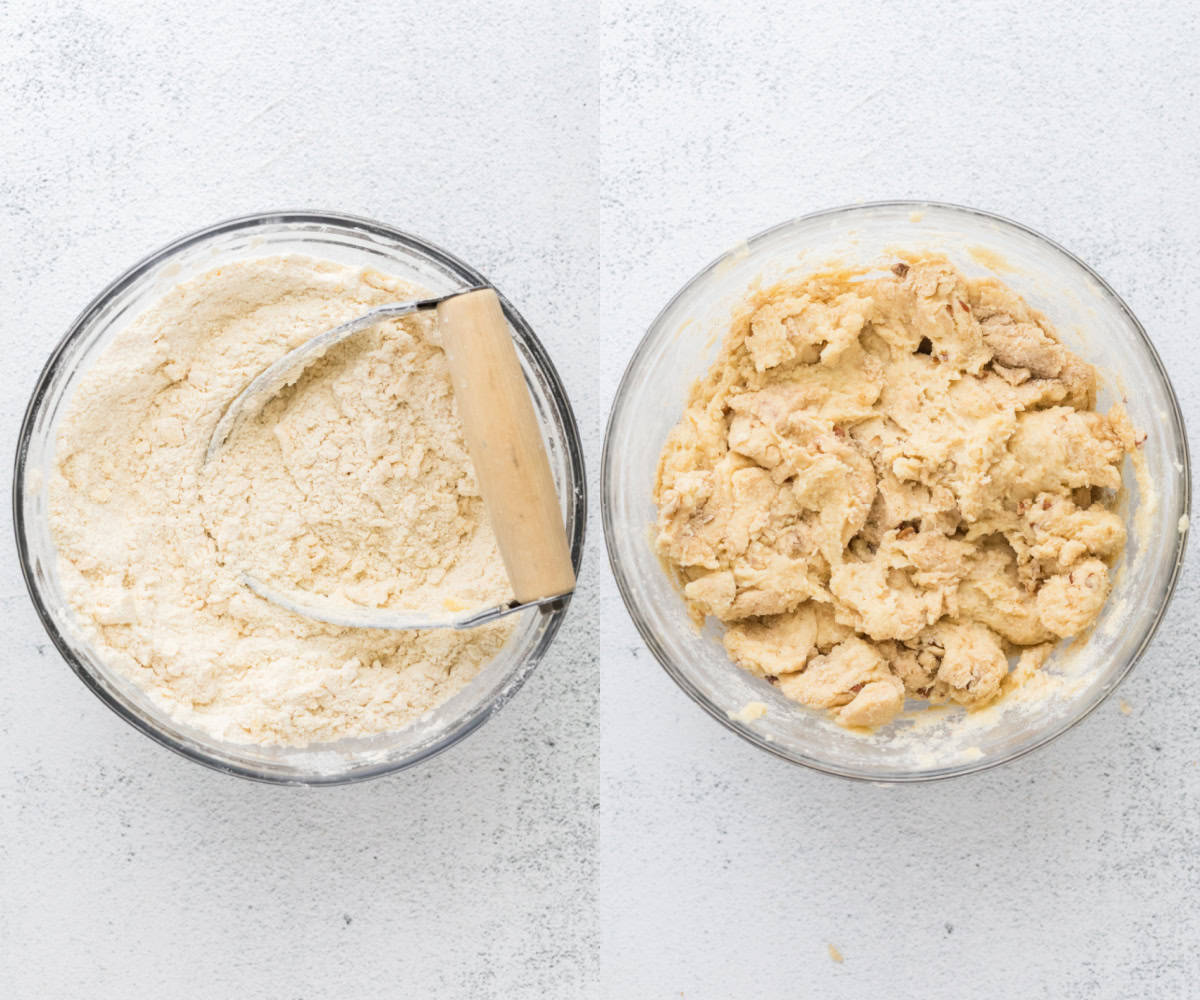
[{"x": 602, "y": 837}]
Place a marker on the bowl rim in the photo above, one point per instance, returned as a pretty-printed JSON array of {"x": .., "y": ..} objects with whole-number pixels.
[
  {"x": 344, "y": 222},
  {"x": 679, "y": 677}
]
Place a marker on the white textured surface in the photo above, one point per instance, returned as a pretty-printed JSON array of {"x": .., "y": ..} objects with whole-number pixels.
[{"x": 601, "y": 837}]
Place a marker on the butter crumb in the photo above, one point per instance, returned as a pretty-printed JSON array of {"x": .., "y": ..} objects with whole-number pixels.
[
  {"x": 1125, "y": 707},
  {"x": 1183, "y": 523},
  {"x": 835, "y": 954},
  {"x": 749, "y": 712}
]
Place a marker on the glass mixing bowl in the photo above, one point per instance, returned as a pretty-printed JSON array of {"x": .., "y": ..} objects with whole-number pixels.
[
  {"x": 681, "y": 345},
  {"x": 348, "y": 240}
]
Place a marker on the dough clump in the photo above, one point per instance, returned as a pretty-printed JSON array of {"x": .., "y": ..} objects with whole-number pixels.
[
  {"x": 353, "y": 484},
  {"x": 887, "y": 486}
]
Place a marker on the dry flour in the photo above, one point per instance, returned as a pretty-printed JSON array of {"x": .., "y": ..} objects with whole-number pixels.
[{"x": 355, "y": 483}]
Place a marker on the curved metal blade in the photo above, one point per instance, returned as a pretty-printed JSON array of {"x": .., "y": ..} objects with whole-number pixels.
[
  {"x": 310, "y": 606},
  {"x": 288, "y": 369}
]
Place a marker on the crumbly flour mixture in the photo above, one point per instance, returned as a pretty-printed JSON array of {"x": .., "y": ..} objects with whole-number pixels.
[
  {"x": 887, "y": 486},
  {"x": 354, "y": 483}
]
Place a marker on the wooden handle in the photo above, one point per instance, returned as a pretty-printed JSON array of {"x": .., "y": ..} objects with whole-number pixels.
[{"x": 506, "y": 445}]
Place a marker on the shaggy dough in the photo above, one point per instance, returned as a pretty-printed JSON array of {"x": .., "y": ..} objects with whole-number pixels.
[
  {"x": 886, "y": 486},
  {"x": 354, "y": 483}
]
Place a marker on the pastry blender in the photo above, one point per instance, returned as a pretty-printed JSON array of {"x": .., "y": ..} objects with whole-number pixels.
[{"x": 504, "y": 442}]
